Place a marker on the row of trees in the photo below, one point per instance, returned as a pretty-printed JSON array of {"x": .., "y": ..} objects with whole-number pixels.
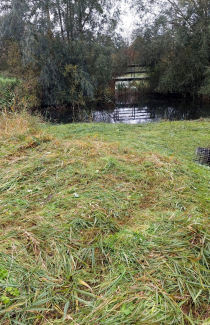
[
  {"x": 61, "y": 49},
  {"x": 66, "y": 51},
  {"x": 175, "y": 45}
]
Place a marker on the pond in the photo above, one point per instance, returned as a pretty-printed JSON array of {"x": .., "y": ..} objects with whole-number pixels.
[{"x": 152, "y": 110}]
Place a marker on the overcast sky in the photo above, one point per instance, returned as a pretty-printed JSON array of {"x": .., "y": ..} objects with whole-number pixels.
[{"x": 129, "y": 19}]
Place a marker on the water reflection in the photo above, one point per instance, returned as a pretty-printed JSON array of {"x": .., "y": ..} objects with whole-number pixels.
[
  {"x": 148, "y": 111},
  {"x": 131, "y": 115}
]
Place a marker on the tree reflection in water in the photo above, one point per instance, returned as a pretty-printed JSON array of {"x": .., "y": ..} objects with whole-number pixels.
[{"x": 152, "y": 110}]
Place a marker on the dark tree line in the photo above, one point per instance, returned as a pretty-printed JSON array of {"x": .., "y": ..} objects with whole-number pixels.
[{"x": 66, "y": 53}]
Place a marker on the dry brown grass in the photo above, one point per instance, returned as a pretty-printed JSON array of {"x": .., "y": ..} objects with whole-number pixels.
[{"x": 17, "y": 124}]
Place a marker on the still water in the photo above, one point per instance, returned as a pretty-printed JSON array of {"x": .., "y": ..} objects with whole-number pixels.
[{"x": 152, "y": 110}]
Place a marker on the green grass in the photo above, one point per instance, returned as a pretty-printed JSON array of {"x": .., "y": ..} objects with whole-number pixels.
[
  {"x": 6, "y": 80},
  {"x": 7, "y": 96},
  {"x": 104, "y": 224}
]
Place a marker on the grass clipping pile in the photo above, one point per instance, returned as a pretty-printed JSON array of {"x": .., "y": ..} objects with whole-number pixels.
[{"x": 93, "y": 232}]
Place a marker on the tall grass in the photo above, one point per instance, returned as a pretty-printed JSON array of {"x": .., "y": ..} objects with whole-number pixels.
[
  {"x": 103, "y": 224},
  {"x": 7, "y": 94},
  {"x": 17, "y": 124}
]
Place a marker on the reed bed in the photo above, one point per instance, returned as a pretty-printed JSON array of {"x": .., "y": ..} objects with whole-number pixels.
[{"x": 104, "y": 224}]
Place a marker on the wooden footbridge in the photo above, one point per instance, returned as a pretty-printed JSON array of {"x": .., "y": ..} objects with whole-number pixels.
[{"x": 133, "y": 73}]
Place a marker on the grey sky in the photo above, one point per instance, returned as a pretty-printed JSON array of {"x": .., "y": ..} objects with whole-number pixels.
[{"x": 129, "y": 19}]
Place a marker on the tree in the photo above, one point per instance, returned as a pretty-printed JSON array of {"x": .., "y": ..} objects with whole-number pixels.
[
  {"x": 67, "y": 44},
  {"x": 176, "y": 46}
]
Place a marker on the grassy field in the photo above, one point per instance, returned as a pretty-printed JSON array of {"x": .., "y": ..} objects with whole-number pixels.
[{"x": 103, "y": 224}]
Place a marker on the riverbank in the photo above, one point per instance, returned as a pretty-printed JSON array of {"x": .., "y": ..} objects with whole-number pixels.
[{"x": 103, "y": 224}]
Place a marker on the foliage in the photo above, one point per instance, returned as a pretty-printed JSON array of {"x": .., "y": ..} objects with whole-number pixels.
[
  {"x": 52, "y": 36},
  {"x": 176, "y": 47},
  {"x": 9, "y": 291},
  {"x": 121, "y": 58},
  {"x": 3, "y": 274},
  {"x": 103, "y": 224}
]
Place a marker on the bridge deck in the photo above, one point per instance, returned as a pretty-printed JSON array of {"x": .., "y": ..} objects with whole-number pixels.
[{"x": 133, "y": 73}]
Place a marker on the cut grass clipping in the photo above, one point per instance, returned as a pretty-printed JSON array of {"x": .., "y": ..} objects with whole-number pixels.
[{"x": 103, "y": 224}]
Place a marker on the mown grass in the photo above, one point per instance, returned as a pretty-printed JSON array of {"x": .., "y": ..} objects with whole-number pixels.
[{"x": 103, "y": 224}]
